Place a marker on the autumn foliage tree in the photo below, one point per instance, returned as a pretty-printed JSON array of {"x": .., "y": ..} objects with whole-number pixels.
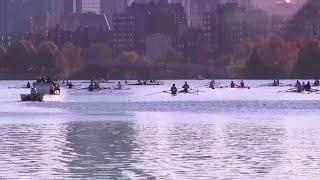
[
  {"x": 71, "y": 59},
  {"x": 47, "y": 57},
  {"x": 174, "y": 57},
  {"x": 271, "y": 58},
  {"x": 99, "y": 54},
  {"x": 308, "y": 63},
  {"x": 3, "y": 63},
  {"x": 21, "y": 56},
  {"x": 129, "y": 57}
]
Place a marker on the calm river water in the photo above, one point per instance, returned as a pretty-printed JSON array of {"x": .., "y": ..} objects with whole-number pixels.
[{"x": 215, "y": 134}]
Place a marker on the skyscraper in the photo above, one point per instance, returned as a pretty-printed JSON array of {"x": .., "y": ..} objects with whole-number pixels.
[
  {"x": 90, "y": 6},
  {"x": 55, "y": 10},
  {"x": 246, "y": 4},
  {"x": 4, "y": 15},
  {"x": 196, "y": 8},
  {"x": 111, "y": 7}
]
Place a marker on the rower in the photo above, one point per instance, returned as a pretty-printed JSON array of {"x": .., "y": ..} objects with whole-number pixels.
[
  {"x": 212, "y": 83},
  {"x": 185, "y": 87},
  {"x": 91, "y": 87},
  {"x": 316, "y": 82},
  {"x": 303, "y": 86},
  {"x": 97, "y": 86},
  {"x": 232, "y": 85},
  {"x": 174, "y": 89},
  {"x": 52, "y": 90},
  {"x": 43, "y": 79},
  {"x": 28, "y": 85},
  {"x": 274, "y": 83},
  {"x": 242, "y": 84},
  {"x": 49, "y": 80},
  {"x": 299, "y": 87},
  {"x": 70, "y": 85},
  {"x": 307, "y": 87},
  {"x": 119, "y": 85},
  {"x": 298, "y": 83}
]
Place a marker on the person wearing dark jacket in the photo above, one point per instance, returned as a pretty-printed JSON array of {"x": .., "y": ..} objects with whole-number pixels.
[
  {"x": 307, "y": 87},
  {"x": 185, "y": 87},
  {"x": 232, "y": 84},
  {"x": 242, "y": 84},
  {"x": 174, "y": 89}
]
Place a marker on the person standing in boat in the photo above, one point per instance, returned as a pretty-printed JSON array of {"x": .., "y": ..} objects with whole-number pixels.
[
  {"x": 174, "y": 89},
  {"x": 185, "y": 87}
]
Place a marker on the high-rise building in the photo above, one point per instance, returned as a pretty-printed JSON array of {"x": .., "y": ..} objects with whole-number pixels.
[
  {"x": 246, "y": 4},
  {"x": 112, "y": 7},
  {"x": 56, "y": 11},
  {"x": 72, "y": 6},
  {"x": 195, "y": 9},
  {"x": 4, "y": 16},
  {"x": 88, "y": 6},
  {"x": 225, "y": 27}
]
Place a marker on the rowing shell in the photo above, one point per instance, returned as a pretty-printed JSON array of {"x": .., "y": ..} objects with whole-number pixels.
[
  {"x": 147, "y": 84},
  {"x": 117, "y": 89}
]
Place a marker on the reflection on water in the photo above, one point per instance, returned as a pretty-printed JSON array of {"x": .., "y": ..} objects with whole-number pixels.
[{"x": 162, "y": 146}]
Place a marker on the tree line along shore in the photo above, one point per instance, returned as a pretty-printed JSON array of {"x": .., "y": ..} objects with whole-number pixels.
[{"x": 269, "y": 58}]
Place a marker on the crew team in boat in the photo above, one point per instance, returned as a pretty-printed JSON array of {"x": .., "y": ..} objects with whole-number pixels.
[{"x": 54, "y": 87}]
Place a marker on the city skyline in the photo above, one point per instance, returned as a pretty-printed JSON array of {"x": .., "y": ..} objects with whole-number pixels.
[{"x": 34, "y": 16}]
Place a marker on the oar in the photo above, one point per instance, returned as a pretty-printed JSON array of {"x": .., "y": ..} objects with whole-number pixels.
[
  {"x": 290, "y": 89},
  {"x": 17, "y": 87},
  {"x": 222, "y": 87},
  {"x": 314, "y": 90},
  {"x": 167, "y": 91},
  {"x": 245, "y": 87},
  {"x": 191, "y": 93}
]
